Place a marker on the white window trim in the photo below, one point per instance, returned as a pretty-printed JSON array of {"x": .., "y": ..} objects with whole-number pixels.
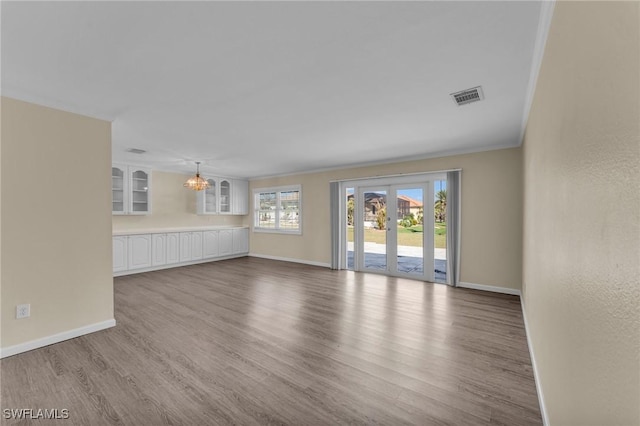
[{"x": 277, "y": 190}]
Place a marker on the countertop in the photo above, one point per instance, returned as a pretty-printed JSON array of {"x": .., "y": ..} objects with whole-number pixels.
[{"x": 181, "y": 229}]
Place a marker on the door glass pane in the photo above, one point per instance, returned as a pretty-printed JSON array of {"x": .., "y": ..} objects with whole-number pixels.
[
  {"x": 440, "y": 230},
  {"x": 225, "y": 196},
  {"x": 117, "y": 189},
  {"x": 410, "y": 242},
  {"x": 210, "y": 197},
  {"x": 374, "y": 219},
  {"x": 350, "y": 227}
]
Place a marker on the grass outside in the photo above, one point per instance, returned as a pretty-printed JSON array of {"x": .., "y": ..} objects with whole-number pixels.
[
  {"x": 441, "y": 235},
  {"x": 411, "y": 237}
]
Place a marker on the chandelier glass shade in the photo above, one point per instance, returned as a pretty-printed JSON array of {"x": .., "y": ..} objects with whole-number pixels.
[{"x": 196, "y": 182}]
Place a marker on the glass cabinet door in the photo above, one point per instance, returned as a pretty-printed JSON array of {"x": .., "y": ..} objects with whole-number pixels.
[
  {"x": 139, "y": 192},
  {"x": 225, "y": 196},
  {"x": 118, "y": 190},
  {"x": 210, "y": 195}
]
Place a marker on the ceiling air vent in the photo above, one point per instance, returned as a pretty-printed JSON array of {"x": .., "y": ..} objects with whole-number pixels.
[
  {"x": 467, "y": 96},
  {"x": 136, "y": 151}
]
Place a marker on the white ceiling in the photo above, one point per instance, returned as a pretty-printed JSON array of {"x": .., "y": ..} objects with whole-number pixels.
[{"x": 259, "y": 88}]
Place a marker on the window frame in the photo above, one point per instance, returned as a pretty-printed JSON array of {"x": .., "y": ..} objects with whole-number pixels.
[{"x": 278, "y": 191}]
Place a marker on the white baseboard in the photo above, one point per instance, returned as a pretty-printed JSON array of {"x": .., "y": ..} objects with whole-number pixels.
[
  {"x": 289, "y": 259},
  {"x": 536, "y": 377},
  {"x": 55, "y": 338},
  {"x": 492, "y": 288}
]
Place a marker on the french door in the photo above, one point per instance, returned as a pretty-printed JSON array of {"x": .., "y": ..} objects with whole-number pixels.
[{"x": 394, "y": 229}]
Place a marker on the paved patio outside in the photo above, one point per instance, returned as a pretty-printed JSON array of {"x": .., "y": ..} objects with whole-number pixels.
[{"x": 409, "y": 259}]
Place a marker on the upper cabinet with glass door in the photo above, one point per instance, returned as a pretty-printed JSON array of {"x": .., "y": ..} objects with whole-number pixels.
[
  {"x": 119, "y": 184},
  {"x": 130, "y": 190},
  {"x": 140, "y": 182},
  {"x": 224, "y": 196},
  {"x": 208, "y": 199}
]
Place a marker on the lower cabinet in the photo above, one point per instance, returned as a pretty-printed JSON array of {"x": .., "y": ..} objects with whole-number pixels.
[
  {"x": 240, "y": 240},
  {"x": 196, "y": 245},
  {"x": 185, "y": 246},
  {"x": 166, "y": 249},
  {"x": 159, "y": 249},
  {"x": 226, "y": 242},
  {"x": 156, "y": 251},
  {"x": 210, "y": 244},
  {"x": 120, "y": 254},
  {"x": 173, "y": 248},
  {"x": 190, "y": 246},
  {"x": 139, "y": 250}
]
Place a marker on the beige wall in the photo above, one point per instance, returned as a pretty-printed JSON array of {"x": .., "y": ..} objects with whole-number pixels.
[
  {"x": 56, "y": 223},
  {"x": 581, "y": 216},
  {"x": 491, "y": 246},
  {"x": 173, "y": 206}
]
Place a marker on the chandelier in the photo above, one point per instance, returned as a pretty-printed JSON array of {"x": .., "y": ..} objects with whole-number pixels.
[{"x": 196, "y": 182}]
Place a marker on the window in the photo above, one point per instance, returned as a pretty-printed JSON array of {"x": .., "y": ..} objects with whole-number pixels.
[{"x": 278, "y": 209}]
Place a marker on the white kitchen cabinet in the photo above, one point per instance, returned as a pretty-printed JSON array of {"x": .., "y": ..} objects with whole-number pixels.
[
  {"x": 225, "y": 242},
  {"x": 139, "y": 251},
  {"x": 139, "y": 190},
  {"x": 130, "y": 190},
  {"x": 240, "y": 197},
  {"x": 173, "y": 248},
  {"x": 119, "y": 247},
  {"x": 240, "y": 240},
  {"x": 119, "y": 189},
  {"x": 158, "y": 249},
  {"x": 225, "y": 196},
  {"x": 185, "y": 246},
  {"x": 196, "y": 245},
  {"x": 207, "y": 202},
  {"x": 210, "y": 244}
]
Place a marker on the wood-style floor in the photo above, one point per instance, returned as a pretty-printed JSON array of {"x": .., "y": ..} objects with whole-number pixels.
[{"x": 254, "y": 341}]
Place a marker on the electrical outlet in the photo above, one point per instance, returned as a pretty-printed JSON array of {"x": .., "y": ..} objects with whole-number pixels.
[{"x": 23, "y": 311}]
